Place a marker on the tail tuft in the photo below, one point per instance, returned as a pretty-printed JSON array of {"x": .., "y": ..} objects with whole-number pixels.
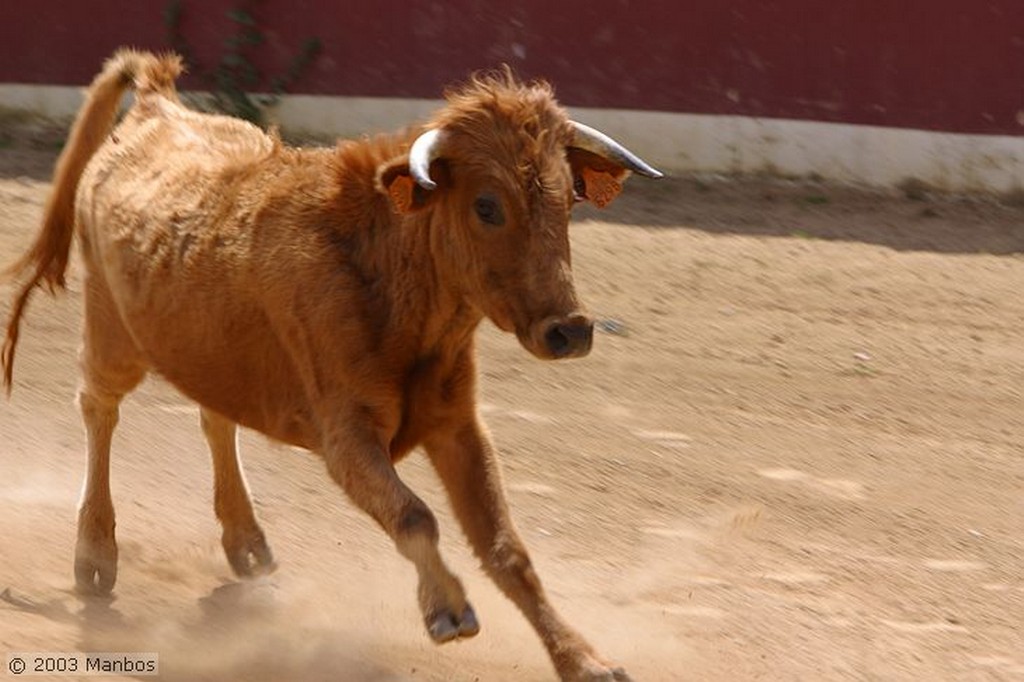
[{"x": 145, "y": 71}]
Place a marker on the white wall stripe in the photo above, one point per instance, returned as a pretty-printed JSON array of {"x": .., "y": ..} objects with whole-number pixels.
[{"x": 681, "y": 142}]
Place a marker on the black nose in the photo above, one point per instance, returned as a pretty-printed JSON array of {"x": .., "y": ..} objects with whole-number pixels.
[{"x": 569, "y": 338}]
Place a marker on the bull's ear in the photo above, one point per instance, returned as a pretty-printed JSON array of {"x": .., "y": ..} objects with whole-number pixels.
[
  {"x": 595, "y": 178},
  {"x": 600, "y": 164},
  {"x": 396, "y": 182}
]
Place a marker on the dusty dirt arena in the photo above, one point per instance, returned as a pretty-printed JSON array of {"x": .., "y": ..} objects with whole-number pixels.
[{"x": 794, "y": 454}]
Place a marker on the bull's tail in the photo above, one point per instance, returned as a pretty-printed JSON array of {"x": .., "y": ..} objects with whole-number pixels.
[{"x": 47, "y": 258}]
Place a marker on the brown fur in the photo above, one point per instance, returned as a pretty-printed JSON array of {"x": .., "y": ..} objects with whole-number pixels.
[
  {"x": 324, "y": 299},
  {"x": 47, "y": 258}
]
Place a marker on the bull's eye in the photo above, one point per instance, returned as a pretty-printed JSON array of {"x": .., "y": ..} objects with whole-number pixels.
[{"x": 488, "y": 210}]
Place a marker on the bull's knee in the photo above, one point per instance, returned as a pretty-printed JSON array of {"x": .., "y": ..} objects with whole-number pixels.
[
  {"x": 416, "y": 531},
  {"x": 418, "y": 520},
  {"x": 510, "y": 559}
]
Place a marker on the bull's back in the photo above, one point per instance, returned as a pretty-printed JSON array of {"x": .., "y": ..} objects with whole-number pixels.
[{"x": 170, "y": 212}]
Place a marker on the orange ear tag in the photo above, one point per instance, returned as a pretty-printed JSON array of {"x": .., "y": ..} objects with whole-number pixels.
[
  {"x": 601, "y": 188},
  {"x": 400, "y": 190}
]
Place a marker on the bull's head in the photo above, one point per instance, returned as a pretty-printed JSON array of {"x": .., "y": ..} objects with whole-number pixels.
[{"x": 500, "y": 168}]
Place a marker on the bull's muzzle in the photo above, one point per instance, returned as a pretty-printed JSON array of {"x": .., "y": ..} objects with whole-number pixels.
[{"x": 568, "y": 337}]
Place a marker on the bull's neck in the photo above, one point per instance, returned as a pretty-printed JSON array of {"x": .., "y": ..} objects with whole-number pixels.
[{"x": 424, "y": 308}]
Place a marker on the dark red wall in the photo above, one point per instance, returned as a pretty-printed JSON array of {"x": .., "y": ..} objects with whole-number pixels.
[{"x": 934, "y": 64}]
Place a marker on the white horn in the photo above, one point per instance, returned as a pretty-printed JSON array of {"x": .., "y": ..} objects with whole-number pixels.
[
  {"x": 424, "y": 150},
  {"x": 594, "y": 140}
]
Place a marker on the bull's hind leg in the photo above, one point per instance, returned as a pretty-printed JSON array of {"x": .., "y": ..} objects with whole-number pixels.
[
  {"x": 111, "y": 367},
  {"x": 243, "y": 540}
]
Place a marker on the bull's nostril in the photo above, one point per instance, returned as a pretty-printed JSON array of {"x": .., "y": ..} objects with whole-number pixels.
[
  {"x": 557, "y": 342},
  {"x": 568, "y": 339}
]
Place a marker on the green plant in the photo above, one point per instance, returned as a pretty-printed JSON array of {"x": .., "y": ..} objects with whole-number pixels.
[{"x": 235, "y": 76}]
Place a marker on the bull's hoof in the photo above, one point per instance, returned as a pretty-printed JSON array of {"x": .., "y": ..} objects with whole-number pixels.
[
  {"x": 606, "y": 675},
  {"x": 248, "y": 553},
  {"x": 590, "y": 669},
  {"x": 444, "y": 626},
  {"x": 95, "y": 572}
]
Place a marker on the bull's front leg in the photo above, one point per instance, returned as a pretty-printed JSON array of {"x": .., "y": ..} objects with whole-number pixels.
[
  {"x": 465, "y": 461},
  {"x": 364, "y": 470}
]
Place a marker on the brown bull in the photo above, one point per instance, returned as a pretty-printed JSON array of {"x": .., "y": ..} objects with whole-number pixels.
[{"x": 328, "y": 299}]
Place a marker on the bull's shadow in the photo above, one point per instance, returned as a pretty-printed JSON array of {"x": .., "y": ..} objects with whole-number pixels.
[
  {"x": 908, "y": 219},
  {"x": 29, "y": 146},
  {"x": 237, "y": 631},
  {"x": 96, "y": 611}
]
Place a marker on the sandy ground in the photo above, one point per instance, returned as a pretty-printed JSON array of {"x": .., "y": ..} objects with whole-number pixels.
[{"x": 796, "y": 453}]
